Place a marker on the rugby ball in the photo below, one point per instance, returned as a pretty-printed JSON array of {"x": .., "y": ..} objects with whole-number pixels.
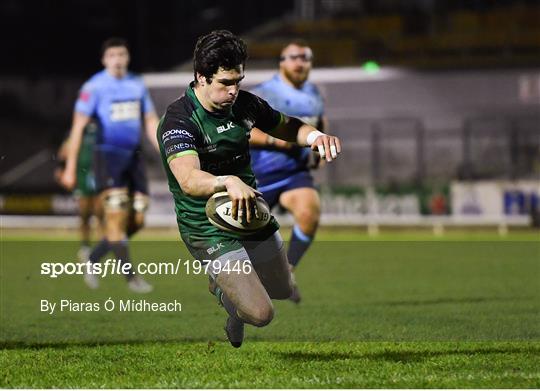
[{"x": 218, "y": 211}]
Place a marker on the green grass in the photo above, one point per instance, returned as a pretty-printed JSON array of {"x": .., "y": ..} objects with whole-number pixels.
[
  {"x": 399, "y": 310},
  {"x": 275, "y": 365}
]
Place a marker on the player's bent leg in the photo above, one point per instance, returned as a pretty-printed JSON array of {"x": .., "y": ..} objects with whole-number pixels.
[
  {"x": 116, "y": 210},
  {"x": 305, "y": 206},
  {"x": 116, "y": 204},
  {"x": 244, "y": 296},
  {"x": 276, "y": 277},
  {"x": 272, "y": 266}
]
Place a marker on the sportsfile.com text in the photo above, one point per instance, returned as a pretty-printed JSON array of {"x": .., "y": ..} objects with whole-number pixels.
[{"x": 117, "y": 267}]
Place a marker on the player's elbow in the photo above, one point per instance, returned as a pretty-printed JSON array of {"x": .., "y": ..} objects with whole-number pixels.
[
  {"x": 185, "y": 176},
  {"x": 187, "y": 187},
  {"x": 192, "y": 187}
]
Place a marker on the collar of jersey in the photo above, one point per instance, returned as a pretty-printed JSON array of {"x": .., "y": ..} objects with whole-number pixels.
[
  {"x": 111, "y": 77},
  {"x": 191, "y": 94}
]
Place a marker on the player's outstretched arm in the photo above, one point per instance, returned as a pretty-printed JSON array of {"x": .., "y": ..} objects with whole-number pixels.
[
  {"x": 258, "y": 138},
  {"x": 293, "y": 129},
  {"x": 69, "y": 176},
  {"x": 198, "y": 183}
]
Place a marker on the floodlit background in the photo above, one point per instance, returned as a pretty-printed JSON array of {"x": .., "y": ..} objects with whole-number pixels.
[{"x": 437, "y": 102}]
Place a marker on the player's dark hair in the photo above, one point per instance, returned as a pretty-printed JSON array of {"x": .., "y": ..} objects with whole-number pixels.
[
  {"x": 113, "y": 42},
  {"x": 220, "y": 48}
]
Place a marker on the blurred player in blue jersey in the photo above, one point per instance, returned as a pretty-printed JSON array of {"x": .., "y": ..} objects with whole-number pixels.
[
  {"x": 282, "y": 168},
  {"x": 120, "y": 105}
]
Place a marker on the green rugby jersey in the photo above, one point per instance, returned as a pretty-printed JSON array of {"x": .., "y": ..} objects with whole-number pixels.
[{"x": 221, "y": 141}]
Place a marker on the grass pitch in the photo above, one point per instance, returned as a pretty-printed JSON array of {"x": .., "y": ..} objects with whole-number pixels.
[{"x": 401, "y": 310}]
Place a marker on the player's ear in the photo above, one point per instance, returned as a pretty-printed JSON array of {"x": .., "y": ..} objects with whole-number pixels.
[{"x": 201, "y": 80}]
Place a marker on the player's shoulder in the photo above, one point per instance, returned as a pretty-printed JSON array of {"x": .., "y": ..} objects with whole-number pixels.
[
  {"x": 95, "y": 81},
  {"x": 246, "y": 97},
  {"x": 182, "y": 107},
  {"x": 179, "y": 113},
  {"x": 247, "y": 102}
]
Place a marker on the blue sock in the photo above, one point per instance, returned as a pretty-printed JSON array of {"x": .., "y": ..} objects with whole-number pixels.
[
  {"x": 299, "y": 244},
  {"x": 99, "y": 251}
]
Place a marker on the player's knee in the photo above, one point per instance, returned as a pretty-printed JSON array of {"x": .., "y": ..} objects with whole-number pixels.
[
  {"x": 116, "y": 200},
  {"x": 308, "y": 218},
  {"x": 262, "y": 315},
  {"x": 140, "y": 204}
]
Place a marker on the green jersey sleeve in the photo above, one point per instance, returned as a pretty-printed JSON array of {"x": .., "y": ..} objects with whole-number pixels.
[{"x": 178, "y": 137}]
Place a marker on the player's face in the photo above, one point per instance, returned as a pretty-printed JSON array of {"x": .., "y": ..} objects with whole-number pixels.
[
  {"x": 295, "y": 64},
  {"x": 223, "y": 91},
  {"x": 116, "y": 60}
]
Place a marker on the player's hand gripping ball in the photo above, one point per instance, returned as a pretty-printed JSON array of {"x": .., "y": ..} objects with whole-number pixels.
[{"x": 219, "y": 213}]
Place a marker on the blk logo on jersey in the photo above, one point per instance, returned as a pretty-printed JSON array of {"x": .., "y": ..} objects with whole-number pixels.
[
  {"x": 224, "y": 128},
  {"x": 125, "y": 111}
]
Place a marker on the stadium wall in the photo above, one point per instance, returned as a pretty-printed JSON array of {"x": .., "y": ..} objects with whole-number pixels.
[{"x": 408, "y": 136}]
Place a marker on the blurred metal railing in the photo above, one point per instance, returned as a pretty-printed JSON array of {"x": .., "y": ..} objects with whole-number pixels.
[{"x": 400, "y": 151}]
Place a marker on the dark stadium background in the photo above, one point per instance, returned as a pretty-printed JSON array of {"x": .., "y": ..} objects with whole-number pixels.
[{"x": 50, "y": 47}]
